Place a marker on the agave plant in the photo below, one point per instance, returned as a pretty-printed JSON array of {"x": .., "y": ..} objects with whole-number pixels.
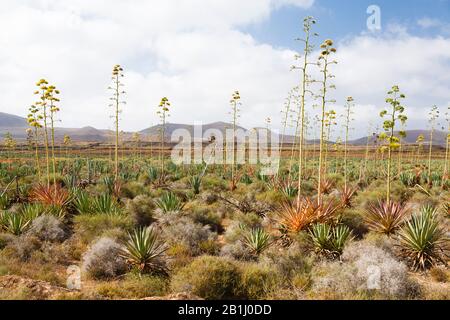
[
  {"x": 246, "y": 179},
  {"x": 446, "y": 208},
  {"x": 288, "y": 188},
  {"x": 436, "y": 179},
  {"x": 113, "y": 185},
  {"x": 4, "y": 201},
  {"x": 325, "y": 186},
  {"x": 346, "y": 195},
  {"x": 152, "y": 173},
  {"x": 51, "y": 195},
  {"x": 257, "y": 240},
  {"x": 408, "y": 179},
  {"x": 386, "y": 217},
  {"x": 295, "y": 217},
  {"x": 15, "y": 223},
  {"x": 169, "y": 202},
  {"x": 329, "y": 241},
  {"x": 32, "y": 211},
  {"x": 195, "y": 183},
  {"x": 104, "y": 204},
  {"x": 421, "y": 240},
  {"x": 82, "y": 202},
  {"x": 143, "y": 250}
]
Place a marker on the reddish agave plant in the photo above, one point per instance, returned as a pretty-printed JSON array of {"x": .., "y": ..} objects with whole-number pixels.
[
  {"x": 295, "y": 217},
  {"x": 51, "y": 195},
  {"x": 386, "y": 216},
  {"x": 346, "y": 195}
]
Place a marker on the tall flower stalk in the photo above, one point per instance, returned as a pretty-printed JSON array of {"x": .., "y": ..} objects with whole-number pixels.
[
  {"x": 42, "y": 106},
  {"x": 235, "y": 109},
  {"x": 34, "y": 121},
  {"x": 447, "y": 143},
  {"x": 434, "y": 115},
  {"x": 308, "y": 22},
  {"x": 330, "y": 118},
  {"x": 52, "y": 94},
  {"x": 163, "y": 113},
  {"x": 348, "y": 118},
  {"x": 324, "y": 63},
  {"x": 116, "y": 99},
  {"x": 285, "y": 113},
  {"x": 395, "y": 114}
]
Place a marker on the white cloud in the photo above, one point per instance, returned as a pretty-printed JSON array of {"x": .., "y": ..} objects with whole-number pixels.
[
  {"x": 370, "y": 65},
  {"x": 193, "y": 52},
  {"x": 189, "y": 50},
  {"x": 430, "y": 23}
]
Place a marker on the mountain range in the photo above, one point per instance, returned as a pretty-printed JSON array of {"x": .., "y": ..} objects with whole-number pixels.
[{"x": 17, "y": 127}]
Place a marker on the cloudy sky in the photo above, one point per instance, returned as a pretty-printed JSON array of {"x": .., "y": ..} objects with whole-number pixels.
[{"x": 197, "y": 52}]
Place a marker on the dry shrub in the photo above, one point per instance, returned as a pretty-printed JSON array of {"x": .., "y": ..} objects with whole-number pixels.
[
  {"x": 288, "y": 262},
  {"x": 257, "y": 281},
  {"x": 5, "y": 239},
  {"x": 366, "y": 272},
  {"x": 236, "y": 250},
  {"x": 103, "y": 261},
  {"x": 24, "y": 247},
  {"x": 193, "y": 236},
  {"x": 141, "y": 210},
  {"x": 48, "y": 228},
  {"x": 133, "y": 287},
  {"x": 439, "y": 274},
  {"x": 208, "y": 277},
  {"x": 90, "y": 227}
]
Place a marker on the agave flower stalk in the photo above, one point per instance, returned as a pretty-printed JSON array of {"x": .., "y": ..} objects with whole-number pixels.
[
  {"x": 10, "y": 144},
  {"x": 235, "y": 109},
  {"x": 401, "y": 135},
  {"x": 116, "y": 102},
  {"x": 52, "y": 93},
  {"x": 308, "y": 22},
  {"x": 434, "y": 115},
  {"x": 396, "y": 114},
  {"x": 419, "y": 141},
  {"x": 285, "y": 112},
  {"x": 34, "y": 121},
  {"x": 42, "y": 104},
  {"x": 447, "y": 118},
  {"x": 329, "y": 122},
  {"x": 325, "y": 63},
  {"x": 163, "y": 113},
  {"x": 67, "y": 142},
  {"x": 363, "y": 164}
]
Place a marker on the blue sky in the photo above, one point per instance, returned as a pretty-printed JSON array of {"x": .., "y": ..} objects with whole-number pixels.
[{"x": 345, "y": 18}]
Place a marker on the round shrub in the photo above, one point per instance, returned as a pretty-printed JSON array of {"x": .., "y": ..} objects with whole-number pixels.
[
  {"x": 140, "y": 209},
  {"x": 236, "y": 250},
  {"x": 103, "y": 261},
  {"x": 366, "y": 272},
  {"x": 48, "y": 228},
  {"x": 193, "y": 236},
  {"x": 257, "y": 281},
  {"x": 208, "y": 277},
  {"x": 5, "y": 239}
]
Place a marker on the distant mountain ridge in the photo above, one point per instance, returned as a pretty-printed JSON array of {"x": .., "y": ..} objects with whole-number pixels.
[{"x": 17, "y": 126}]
